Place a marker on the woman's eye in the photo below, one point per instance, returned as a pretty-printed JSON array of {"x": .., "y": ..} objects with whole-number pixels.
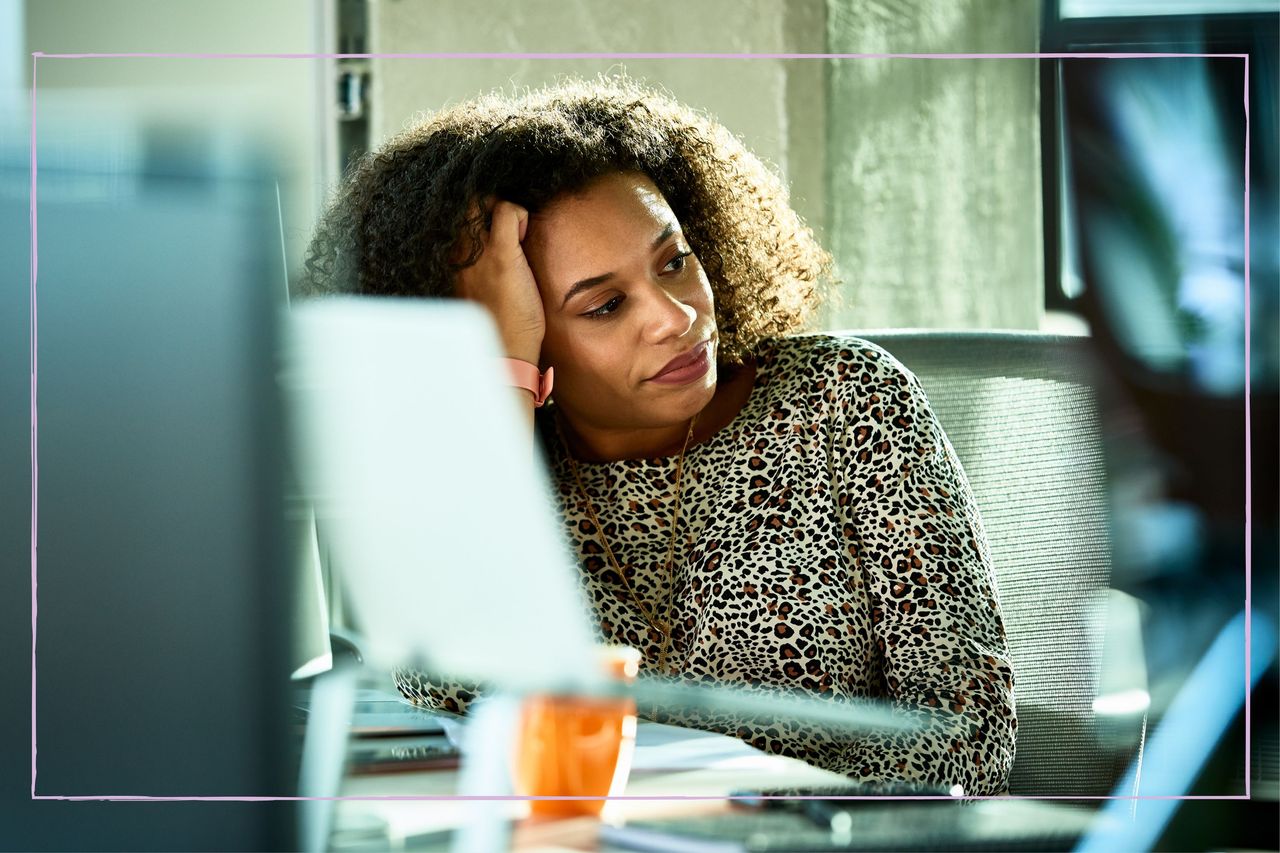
[
  {"x": 608, "y": 308},
  {"x": 678, "y": 262}
]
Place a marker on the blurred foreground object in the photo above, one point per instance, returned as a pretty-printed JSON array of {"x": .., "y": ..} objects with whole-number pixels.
[
  {"x": 1155, "y": 151},
  {"x": 161, "y": 619}
]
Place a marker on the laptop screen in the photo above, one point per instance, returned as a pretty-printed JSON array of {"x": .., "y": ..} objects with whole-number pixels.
[{"x": 429, "y": 489}]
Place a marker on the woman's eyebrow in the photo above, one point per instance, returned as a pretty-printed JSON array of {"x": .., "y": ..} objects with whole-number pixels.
[
  {"x": 585, "y": 284},
  {"x": 588, "y": 283},
  {"x": 662, "y": 238}
]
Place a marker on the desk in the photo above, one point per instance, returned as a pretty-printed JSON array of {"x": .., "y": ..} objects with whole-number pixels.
[{"x": 669, "y": 762}]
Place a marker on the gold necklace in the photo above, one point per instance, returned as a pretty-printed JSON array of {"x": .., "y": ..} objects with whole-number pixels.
[{"x": 662, "y": 626}]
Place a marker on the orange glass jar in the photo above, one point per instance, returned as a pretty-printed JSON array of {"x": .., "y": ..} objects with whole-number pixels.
[{"x": 578, "y": 747}]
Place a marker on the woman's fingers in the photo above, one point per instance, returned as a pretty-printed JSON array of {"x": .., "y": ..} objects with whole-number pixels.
[
  {"x": 506, "y": 230},
  {"x": 502, "y": 281}
]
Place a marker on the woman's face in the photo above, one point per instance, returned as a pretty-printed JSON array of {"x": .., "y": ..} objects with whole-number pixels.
[{"x": 630, "y": 325}]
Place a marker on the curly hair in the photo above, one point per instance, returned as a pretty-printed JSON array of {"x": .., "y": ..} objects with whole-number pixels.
[{"x": 404, "y": 220}]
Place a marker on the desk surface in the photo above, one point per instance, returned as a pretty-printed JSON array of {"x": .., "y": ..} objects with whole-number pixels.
[{"x": 672, "y": 766}]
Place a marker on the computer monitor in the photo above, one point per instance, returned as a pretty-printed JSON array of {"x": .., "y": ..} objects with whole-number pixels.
[
  {"x": 1170, "y": 190},
  {"x": 159, "y": 589}
]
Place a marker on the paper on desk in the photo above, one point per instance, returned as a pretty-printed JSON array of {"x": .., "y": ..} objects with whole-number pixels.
[{"x": 663, "y": 747}]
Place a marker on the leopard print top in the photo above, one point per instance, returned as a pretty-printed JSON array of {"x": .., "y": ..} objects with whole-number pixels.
[{"x": 828, "y": 543}]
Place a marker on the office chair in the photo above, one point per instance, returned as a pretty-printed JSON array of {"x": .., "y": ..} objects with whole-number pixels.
[{"x": 1021, "y": 411}]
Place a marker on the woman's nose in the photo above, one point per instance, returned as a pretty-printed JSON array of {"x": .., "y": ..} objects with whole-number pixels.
[{"x": 667, "y": 317}]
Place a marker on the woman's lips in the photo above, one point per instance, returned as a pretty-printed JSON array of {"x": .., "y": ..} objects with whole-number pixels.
[{"x": 686, "y": 367}]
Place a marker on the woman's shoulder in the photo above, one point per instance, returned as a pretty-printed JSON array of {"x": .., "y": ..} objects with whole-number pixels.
[{"x": 839, "y": 360}]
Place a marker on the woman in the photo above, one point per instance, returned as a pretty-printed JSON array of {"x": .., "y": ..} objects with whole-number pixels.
[{"x": 783, "y": 513}]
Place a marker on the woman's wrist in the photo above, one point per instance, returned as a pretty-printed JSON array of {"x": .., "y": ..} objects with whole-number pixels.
[
  {"x": 525, "y": 376},
  {"x": 522, "y": 347}
]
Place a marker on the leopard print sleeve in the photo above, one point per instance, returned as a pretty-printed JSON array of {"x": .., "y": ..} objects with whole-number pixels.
[
  {"x": 916, "y": 539},
  {"x": 436, "y": 694}
]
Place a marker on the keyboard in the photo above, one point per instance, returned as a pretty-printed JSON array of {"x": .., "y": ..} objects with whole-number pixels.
[{"x": 398, "y": 754}]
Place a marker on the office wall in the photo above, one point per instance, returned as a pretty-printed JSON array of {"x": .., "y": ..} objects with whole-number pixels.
[
  {"x": 12, "y": 60},
  {"x": 280, "y": 97},
  {"x": 935, "y": 213},
  {"x": 776, "y": 106},
  {"x": 922, "y": 177}
]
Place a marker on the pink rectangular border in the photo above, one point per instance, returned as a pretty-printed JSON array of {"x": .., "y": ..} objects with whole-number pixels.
[{"x": 36, "y": 56}]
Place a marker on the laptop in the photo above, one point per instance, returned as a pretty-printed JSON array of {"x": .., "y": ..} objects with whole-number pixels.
[{"x": 433, "y": 503}]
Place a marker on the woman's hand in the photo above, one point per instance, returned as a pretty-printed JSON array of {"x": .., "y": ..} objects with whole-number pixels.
[{"x": 502, "y": 282}]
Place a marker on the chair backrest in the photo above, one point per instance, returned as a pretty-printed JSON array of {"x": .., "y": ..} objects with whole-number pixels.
[{"x": 1021, "y": 412}]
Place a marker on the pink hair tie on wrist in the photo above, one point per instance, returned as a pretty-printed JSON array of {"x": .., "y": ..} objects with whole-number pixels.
[{"x": 525, "y": 375}]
